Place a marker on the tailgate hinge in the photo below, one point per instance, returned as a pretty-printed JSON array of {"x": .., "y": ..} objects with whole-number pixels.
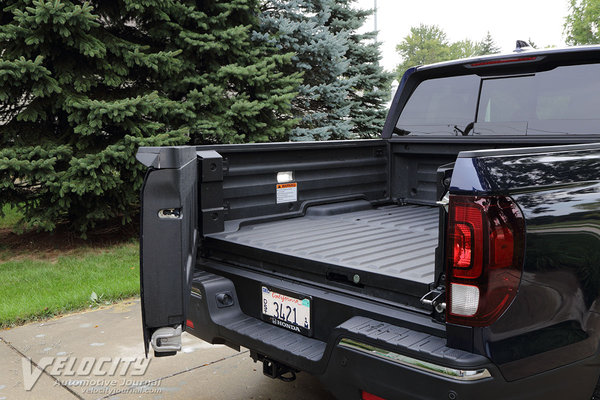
[
  {"x": 166, "y": 341},
  {"x": 435, "y": 298}
]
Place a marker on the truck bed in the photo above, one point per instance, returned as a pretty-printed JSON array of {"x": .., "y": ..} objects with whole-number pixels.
[{"x": 395, "y": 241}]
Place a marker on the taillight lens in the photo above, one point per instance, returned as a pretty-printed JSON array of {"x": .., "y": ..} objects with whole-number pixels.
[
  {"x": 484, "y": 257},
  {"x": 467, "y": 256},
  {"x": 369, "y": 396}
]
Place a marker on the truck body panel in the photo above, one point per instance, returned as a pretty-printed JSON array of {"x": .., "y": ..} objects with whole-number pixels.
[{"x": 554, "y": 320}]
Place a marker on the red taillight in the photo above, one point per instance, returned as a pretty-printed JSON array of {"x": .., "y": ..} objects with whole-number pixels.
[
  {"x": 369, "y": 396},
  {"x": 485, "y": 257},
  {"x": 467, "y": 232},
  {"x": 189, "y": 324}
]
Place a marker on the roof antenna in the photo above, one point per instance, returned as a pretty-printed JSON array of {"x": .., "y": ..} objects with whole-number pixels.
[{"x": 522, "y": 46}]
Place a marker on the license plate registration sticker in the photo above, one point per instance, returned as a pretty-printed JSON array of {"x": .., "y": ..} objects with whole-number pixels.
[{"x": 287, "y": 310}]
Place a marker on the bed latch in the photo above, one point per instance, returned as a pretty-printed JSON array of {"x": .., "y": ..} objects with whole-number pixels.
[{"x": 444, "y": 201}]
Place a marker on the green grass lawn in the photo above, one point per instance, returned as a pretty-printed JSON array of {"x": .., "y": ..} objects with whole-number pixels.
[{"x": 32, "y": 288}]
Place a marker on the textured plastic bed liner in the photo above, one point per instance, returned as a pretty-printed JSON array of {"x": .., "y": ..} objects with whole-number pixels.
[{"x": 395, "y": 241}]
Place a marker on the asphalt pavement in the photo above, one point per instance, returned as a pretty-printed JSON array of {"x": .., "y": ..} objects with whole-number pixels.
[{"x": 99, "y": 354}]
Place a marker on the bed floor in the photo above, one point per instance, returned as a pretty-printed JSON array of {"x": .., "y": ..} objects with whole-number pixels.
[{"x": 397, "y": 241}]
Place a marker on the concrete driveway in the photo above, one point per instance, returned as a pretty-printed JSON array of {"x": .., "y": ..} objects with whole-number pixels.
[{"x": 99, "y": 355}]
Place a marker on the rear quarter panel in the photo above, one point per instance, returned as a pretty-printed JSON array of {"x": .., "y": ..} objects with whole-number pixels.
[{"x": 554, "y": 319}]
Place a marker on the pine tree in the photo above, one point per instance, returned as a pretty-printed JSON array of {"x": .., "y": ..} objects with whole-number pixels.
[
  {"x": 300, "y": 26},
  {"x": 371, "y": 84},
  {"x": 233, "y": 79},
  {"x": 82, "y": 85},
  {"x": 77, "y": 98},
  {"x": 344, "y": 88},
  {"x": 488, "y": 46}
]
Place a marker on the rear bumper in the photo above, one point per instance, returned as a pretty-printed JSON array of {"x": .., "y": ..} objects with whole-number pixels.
[
  {"x": 350, "y": 371},
  {"x": 363, "y": 353}
]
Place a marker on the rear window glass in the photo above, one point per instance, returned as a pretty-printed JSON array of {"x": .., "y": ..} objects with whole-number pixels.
[
  {"x": 437, "y": 105},
  {"x": 505, "y": 100},
  {"x": 565, "y": 100}
]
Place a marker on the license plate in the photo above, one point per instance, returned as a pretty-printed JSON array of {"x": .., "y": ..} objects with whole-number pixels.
[{"x": 287, "y": 310}]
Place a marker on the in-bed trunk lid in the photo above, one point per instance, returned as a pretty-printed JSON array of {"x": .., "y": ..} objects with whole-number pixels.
[{"x": 351, "y": 250}]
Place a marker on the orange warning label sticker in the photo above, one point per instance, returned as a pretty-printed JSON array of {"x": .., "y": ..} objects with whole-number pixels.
[
  {"x": 286, "y": 185},
  {"x": 287, "y": 192}
]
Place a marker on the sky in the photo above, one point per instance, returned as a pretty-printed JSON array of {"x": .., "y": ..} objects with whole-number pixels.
[{"x": 507, "y": 20}]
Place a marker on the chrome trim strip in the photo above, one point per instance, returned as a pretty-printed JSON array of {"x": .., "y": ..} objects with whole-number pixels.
[{"x": 452, "y": 373}]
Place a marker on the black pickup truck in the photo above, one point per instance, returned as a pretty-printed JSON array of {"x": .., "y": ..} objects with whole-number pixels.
[{"x": 457, "y": 257}]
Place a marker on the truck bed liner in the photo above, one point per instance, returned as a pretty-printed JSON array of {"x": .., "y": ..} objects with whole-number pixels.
[{"x": 396, "y": 241}]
